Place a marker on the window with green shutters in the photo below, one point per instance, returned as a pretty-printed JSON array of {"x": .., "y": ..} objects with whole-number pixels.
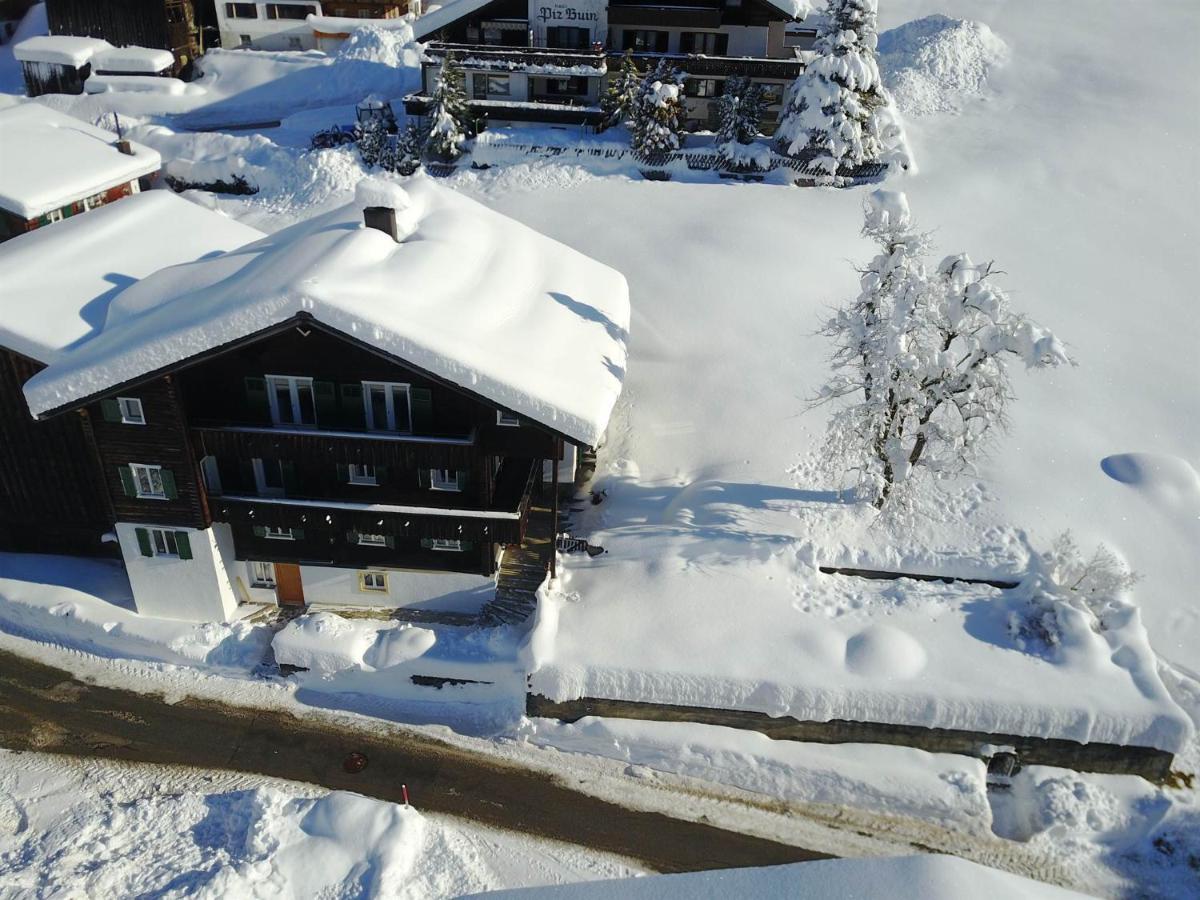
[
  {"x": 148, "y": 482},
  {"x": 163, "y": 542}
]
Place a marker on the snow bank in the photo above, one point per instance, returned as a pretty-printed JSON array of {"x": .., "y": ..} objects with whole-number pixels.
[
  {"x": 87, "y": 605},
  {"x": 59, "y": 281},
  {"x": 51, "y": 160},
  {"x": 60, "y": 49},
  {"x": 132, "y": 60},
  {"x": 888, "y": 780},
  {"x": 930, "y": 877},
  {"x": 473, "y": 297},
  {"x": 326, "y": 643},
  {"x": 142, "y": 84},
  {"x": 935, "y": 63}
]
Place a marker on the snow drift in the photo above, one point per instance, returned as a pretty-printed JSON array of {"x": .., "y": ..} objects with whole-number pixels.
[{"x": 934, "y": 64}]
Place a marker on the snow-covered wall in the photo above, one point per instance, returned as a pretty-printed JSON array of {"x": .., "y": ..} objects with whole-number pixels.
[
  {"x": 438, "y": 591},
  {"x": 168, "y": 587}
]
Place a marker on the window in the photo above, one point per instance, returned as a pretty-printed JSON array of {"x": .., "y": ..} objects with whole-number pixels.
[
  {"x": 440, "y": 544},
  {"x": 93, "y": 201},
  {"x": 444, "y": 480},
  {"x": 479, "y": 86},
  {"x": 294, "y": 43},
  {"x": 702, "y": 87},
  {"x": 363, "y": 475},
  {"x": 289, "y": 11},
  {"x": 241, "y": 11},
  {"x": 497, "y": 86},
  {"x": 291, "y": 399},
  {"x": 163, "y": 542},
  {"x": 644, "y": 41},
  {"x": 262, "y": 574},
  {"x": 388, "y": 405},
  {"x": 373, "y": 581},
  {"x": 772, "y": 94},
  {"x": 268, "y": 477},
  {"x": 278, "y": 534},
  {"x": 55, "y": 215},
  {"x": 148, "y": 481},
  {"x": 153, "y": 542},
  {"x": 568, "y": 38},
  {"x": 131, "y": 411},
  {"x": 245, "y": 39},
  {"x": 507, "y": 418},
  {"x": 372, "y": 540},
  {"x": 574, "y": 86},
  {"x": 707, "y": 43}
]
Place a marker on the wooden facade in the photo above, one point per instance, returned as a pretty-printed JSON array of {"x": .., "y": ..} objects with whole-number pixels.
[
  {"x": 163, "y": 24},
  {"x": 12, "y": 224},
  {"x": 51, "y": 496}
]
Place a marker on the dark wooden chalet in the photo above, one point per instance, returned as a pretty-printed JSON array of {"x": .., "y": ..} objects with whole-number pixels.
[{"x": 165, "y": 24}]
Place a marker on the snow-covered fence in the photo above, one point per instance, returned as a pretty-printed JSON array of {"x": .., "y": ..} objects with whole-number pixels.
[{"x": 497, "y": 149}]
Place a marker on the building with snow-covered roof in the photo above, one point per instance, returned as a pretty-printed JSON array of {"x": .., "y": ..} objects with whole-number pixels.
[
  {"x": 170, "y": 25},
  {"x": 548, "y": 62},
  {"x": 56, "y": 166},
  {"x": 301, "y": 24},
  {"x": 56, "y": 64},
  {"x": 356, "y": 410},
  {"x": 55, "y": 292}
]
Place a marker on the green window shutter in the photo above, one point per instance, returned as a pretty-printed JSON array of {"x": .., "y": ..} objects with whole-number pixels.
[
  {"x": 462, "y": 476},
  {"x": 256, "y": 398},
  {"x": 298, "y": 533},
  {"x": 422, "y": 410},
  {"x": 184, "y": 543},
  {"x": 343, "y": 471},
  {"x": 168, "y": 480},
  {"x": 143, "y": 539},
  {"x": 110, "y": 409},
  {"x": 246, "y": 469},
  {"x": 391, "y": 542},
  {"x": 353, "y": 413},
  {"x": 327, "y": 405},
  {"x": 127, "y": 482},
  {"x": 351, "y": 537},
  {"x": 260, "y": 530},
  {"x": 426, "y": 543},
  {"x": 290, "y": 482},
  {"x": 423, "y": 478},
  {"x": 468, "y": 545},
  {"x": 380, "y": 474}
]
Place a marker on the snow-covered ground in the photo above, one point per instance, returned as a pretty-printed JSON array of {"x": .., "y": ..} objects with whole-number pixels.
[
  {"x": 1041, "y": 144},
  {"x": 71, "y": 828}
]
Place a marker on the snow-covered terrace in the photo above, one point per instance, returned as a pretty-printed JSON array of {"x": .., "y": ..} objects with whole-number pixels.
[
  {"x": 466, "y": 294},
  {"x": 58, "y": 282},
  {"x": 51, "y": 160}
]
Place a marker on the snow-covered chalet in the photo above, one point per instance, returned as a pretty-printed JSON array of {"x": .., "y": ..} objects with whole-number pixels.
[
  {"x": 359, "y": 410},
  {"x": 548, "y": 60}
]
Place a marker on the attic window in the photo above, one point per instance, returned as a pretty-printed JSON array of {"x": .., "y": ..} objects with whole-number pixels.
[
  {"x": 507, "y": 418},
  {"x": 131, "y": 411}
]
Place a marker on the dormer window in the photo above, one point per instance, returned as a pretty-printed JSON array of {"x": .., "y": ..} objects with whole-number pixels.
[
  {"x": 131, "y": 410},
  {"x": 507, "y": 419},
  {"x": 291, "y": 399}
]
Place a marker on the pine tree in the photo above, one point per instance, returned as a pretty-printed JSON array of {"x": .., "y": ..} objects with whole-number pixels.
[
  {"x": 409, "y": 145},
  {"x": 621, "y": 93},
  {"x": 921, "y": 361},
  {"x": 728, "y": 105},
  {"x": 750, "y": 113},
  {"x": 657, "y": 121},
  {"x": 449, "y": 117},
  {"x": 372, "y": 139},
  {"x": 831, "y": 108}
]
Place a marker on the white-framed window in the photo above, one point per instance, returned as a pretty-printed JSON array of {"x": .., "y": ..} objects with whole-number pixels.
[
  {"x": 262, "y": 574},
  {"x": 278, "y": 534},
  {"x": 294, "y": 43},
  {"x": 131, "y": 411},
  {"x": 372, "y": 540},
  {"x": 373, "y": 581},
  {"x": 93, "y": 201},
  {"x": 163, "y": 542},
  {"x": 443, "y": 479},
  {"x": 291, "y": 399},
  {"x": 387, "y": 406},
  {"x": 363, "y": 475},
  {"x": 268, "y": 477},
  {"x": 148, "y": 481},
  {"x": 441, "y": 544},
  {"x": 55, "y": 215},
  {"x": 507, "y": 419},
  {"x": 241, "y": 11}
]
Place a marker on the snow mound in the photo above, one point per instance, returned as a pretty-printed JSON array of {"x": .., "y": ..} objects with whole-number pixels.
[
  {"x": 1169, "y": 480},
  {"x": 390, "y": 46},
  {"x": 881, "y": 651},
  {"x": 326, "y": 643},
  {"x": 930, "y": 65}
]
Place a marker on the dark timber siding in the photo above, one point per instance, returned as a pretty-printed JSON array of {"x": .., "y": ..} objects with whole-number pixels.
[
  {"x": 162, "y": 441},
  {"x": 51, "y": 496},
  {"x": 165, "y": 24}
]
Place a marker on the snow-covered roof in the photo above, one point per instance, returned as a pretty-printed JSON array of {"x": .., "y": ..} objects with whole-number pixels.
[
  {"x": 347, "y": 24},
  {"x": 445, "y": 15},
  {"x": 467, "y": 294},
  {"x": 132, "y": 60},
  {"x": 52, "y": 159},
  {"x": 58, "y": 282},
  {"x": 59, "y": 49}
]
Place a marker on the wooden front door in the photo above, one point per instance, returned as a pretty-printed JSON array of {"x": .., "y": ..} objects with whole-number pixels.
[{"x": 288, "y": 589}]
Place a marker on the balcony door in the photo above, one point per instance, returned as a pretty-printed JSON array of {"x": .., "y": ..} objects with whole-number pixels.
[
  {"x": 387, "y": 406},
  {"x": 268, "y": 477}
]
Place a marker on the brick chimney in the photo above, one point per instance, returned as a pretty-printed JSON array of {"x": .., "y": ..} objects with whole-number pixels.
[{"x": 382, "y": 218}]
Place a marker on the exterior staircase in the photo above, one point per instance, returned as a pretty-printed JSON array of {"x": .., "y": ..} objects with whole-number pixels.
[{"x": 522, "y": 571}]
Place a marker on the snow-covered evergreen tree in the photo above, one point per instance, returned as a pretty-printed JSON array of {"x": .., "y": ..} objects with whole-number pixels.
[
  {"x": 621, "y": 94},
  {"x": 832, "y": 107},
  {"x": 921, "y": 360},
  {"x": 657, "y": 122},
  {"x": 371, "y": 138},
  {"x": 449, "y": 116},
  {"x": 728, "y": 105},
  {"x": 409, "y": 145}
]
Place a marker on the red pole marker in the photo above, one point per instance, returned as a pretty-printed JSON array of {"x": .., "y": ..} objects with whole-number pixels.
[{"x": 404, "y": 791}]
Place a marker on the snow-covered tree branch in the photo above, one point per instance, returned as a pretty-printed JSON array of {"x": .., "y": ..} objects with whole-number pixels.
[{"x": 920, "y": 360}]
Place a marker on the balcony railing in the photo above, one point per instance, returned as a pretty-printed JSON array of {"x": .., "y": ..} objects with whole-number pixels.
[
  {"x": 700, "y": 65},
  {"x": 489, "y": 56}
]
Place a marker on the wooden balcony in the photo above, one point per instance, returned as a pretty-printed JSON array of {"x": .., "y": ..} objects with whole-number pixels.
[
  {"x": 701, "y": 66},
  {"x": 542, "y": 60}
]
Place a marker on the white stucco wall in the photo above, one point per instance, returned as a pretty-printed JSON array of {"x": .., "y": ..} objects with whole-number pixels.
[
  {"x": 590, "y": 14},
  {"x": 196, "y": 590},
  {"x": 440, "y": 591},
  {"x": 264, "y": 33}
]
